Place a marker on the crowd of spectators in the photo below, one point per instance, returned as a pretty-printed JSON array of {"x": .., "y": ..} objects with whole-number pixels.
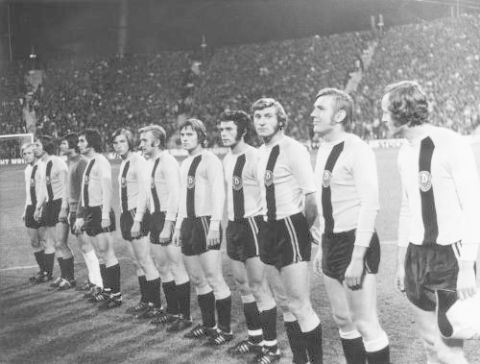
[{"x": 443, "y": 55}]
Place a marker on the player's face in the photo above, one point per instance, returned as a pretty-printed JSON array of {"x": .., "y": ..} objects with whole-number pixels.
[
  {"x": 120, "y": 145},
  {"x": 266, "y": 122},
  {"x": 64, "y": 148},
  {"x": 38, "y": 149},
  {"x": 387, "y": 118},
  {"x": 228, "y": 133},
  {"x": 189, "y": 138},
  {"x": 83, "y": 145},
  {"x": 28, "y": 155},
  {"x": 323, "y": 115},
  {"x": 147, "y": 144}
]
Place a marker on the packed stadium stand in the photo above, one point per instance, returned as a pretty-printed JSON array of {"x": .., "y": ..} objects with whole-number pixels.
[{"x": 140, "y": 89}]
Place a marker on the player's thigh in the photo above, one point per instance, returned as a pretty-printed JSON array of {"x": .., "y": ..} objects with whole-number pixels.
[
  {"x": 338, "y": 300},
  {"x": 174, "y": 254},
  {"x": 194, "y": 270},
  {"x": 105, "y": 243},
  {"x": 211, "y": 264},
  {"x": 426, "y": 324},
  {"x": 141, "y": 249},
  {"x": 255, "y": 270},
  {"x": 239, "y": 272},
  {"x": 296, "y": 280},
  {"x": 277, "y": 287},
  {"x": 159, "y": 255},
  {"x": 363, "y": 302},
  {"x": 34, "y": 236}
]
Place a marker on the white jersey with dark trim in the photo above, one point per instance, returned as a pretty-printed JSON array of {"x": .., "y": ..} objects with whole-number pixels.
[
  {"x": 353, "y": 184},
  {"x": 167, "y": 184},
  {"x": 134, "y": 180},
  {"x": 454, "y": 179},
  {"x": 248, "y": 182},
  {"x": 292, "y": 176}
]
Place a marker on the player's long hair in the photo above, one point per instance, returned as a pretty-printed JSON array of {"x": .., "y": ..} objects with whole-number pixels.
[
  {"x": 198, "y": 126},
  {"x": 93, "y": 138},
  {"x": 407, "y": 103},
  {"x": 158, "y": 133},
  {"x": 242, "y": 120},
  {"x": 265, "y": 102},
  {"x": 72, "y": 140},
  {"x": 48, "y": 143},
  {"x": 128, "y": 135},
  {"x": 343, "y": 101}
]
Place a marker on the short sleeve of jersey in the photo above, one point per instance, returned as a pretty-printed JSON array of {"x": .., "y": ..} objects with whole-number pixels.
[{"x": 301, "y": 165}]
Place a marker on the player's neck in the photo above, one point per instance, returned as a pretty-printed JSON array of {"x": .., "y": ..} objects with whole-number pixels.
[
  {"x": 126, "y": 155},
  {"x": 273, "y": 138},
  {"x": 90, "y": 154},
  {"x": 335, "y": 136},
  {"x": 416, "y": 133},
  {"x": 44, "y": 157},
  {"x": 155, "y": 154},
  {"x": 197, "y": 150},
  {"x": 239, "y": 148}
]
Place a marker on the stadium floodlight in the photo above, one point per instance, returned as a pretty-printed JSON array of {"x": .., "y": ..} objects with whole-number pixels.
[{"x": 10, "y": 144}]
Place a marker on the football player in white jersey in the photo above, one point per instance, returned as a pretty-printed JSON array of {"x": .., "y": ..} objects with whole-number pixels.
[
  {"x": 438, "y": 230},
  {"x": 347, "y": 180},
  {"x": 289, "y": 205}
]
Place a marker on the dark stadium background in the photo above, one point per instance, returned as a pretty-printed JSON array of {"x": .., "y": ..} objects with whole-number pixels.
[{"x": 89, "y": 27}]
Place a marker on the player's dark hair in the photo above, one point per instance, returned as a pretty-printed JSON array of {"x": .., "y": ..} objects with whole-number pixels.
[
  {"x": 93, "y": 138},
  {"x": 343, "y": 101},
  {"x": 158, "y": 133},
  {"x": 128, "y": 135},
  {"x": 198, "y": 126},
  {"x": 407, "y": 103},
  {"x": 72, "y": 140},
  {"x": 265, "y": 102},
  {"x": 242, "y": 120},
  {"x": 48, "y": 143}
]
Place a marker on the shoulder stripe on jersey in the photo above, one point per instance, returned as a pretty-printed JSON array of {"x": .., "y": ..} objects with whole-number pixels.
[
  {"x": 85, "y": 182},
  {"x": 33, "y": 193},
  {"x": 49, "y": 180},
  {"x": 429, "y": 212},
  {"x": 237, "y": 188},
  {"x": 269, "y": 185},
  {"x": 123, "y": 185},
  {"x": 156, "y": 200},
  {"x": 327, "y": 208},
  {"x": 191, "y": 186}
]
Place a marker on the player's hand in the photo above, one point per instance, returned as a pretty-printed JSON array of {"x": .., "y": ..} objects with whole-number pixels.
[
  {"x": 400, "y": 279},
  {"x": 166, "y": 234},
  {"x": 213, "y": 238},
  {"x": 135, "y": 230},
  {"x": 354, "y": 273},
  {"x": 105, "y": 223},
  {"x": 176, "y": 238},
  {"x": 63, "y": 214},
  {"x": 79, "y": 222},
  {"x": 317, "y": 262},
  {"x": 37, "y": 215},
  {"x": 466, "y": 280}
]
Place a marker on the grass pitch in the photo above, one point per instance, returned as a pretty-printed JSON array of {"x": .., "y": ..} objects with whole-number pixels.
[{"x": 41, "y": 326}]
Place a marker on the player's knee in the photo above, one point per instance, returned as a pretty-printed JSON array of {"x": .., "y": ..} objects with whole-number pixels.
[
  {"x": 368, "y": 328},
  {"x": 243, "y": 287},
  {"x": 298, "y": 307},
  {"x": 215, "y": 281},
  {"x": 342, "y": 320}
]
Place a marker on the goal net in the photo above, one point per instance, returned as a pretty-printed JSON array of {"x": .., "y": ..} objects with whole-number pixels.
[{"x": 10, "y": 145}]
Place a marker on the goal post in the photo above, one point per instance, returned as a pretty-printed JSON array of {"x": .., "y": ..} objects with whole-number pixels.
[{"x": 11, "y": 144}]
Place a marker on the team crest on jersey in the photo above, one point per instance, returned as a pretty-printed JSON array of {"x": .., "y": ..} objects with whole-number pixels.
[
  {"x": 268, "y": 178},
  {"x": 425, "y": 180},
  {"x": 124, "y": 182},
  {"x": 326, "y": 178},
  {"x": 48, "y": 180},
  {"x": 190, "y": 182},
  {"x": 237, "y": 183},
  {"x": 32, "y": 182}
]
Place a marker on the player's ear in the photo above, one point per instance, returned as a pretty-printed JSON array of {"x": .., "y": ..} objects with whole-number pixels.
[{"x": 339, "y": 116}]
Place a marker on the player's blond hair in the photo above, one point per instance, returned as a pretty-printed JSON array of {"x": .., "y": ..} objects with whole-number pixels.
[
  {"x": 343, "y": 101},
  {"x": 157, "y": 131}
]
